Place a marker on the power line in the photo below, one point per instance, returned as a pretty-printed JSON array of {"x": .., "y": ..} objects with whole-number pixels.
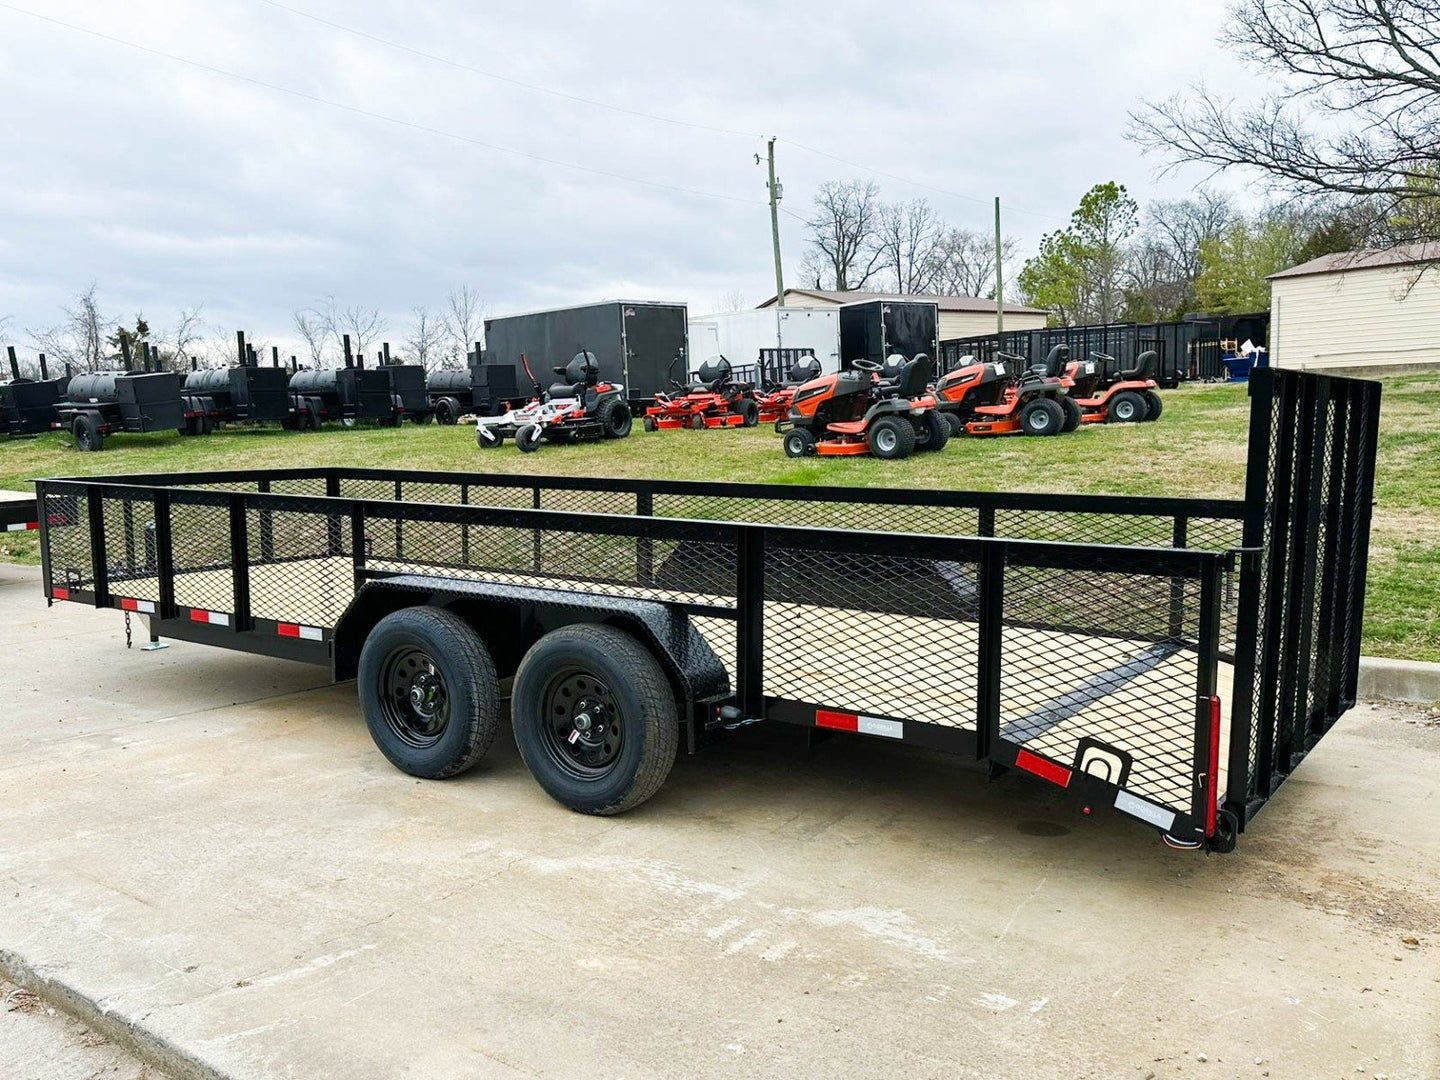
[{"x": 358, "y": 111}]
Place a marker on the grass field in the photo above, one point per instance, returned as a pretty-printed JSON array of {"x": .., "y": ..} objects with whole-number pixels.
[{"x": 1196, "y": 449}]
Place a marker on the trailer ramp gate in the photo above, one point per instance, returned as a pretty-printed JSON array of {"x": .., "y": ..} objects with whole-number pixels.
[{"x": 1174, "y": 658}]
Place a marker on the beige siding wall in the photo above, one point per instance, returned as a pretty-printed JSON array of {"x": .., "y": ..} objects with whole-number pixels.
[
  {"x": 957, "y": 324},
  {"x": 1384, "y": 316}
]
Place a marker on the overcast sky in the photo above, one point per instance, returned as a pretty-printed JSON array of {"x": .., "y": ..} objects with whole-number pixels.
[{"x": 169, "y": 185}]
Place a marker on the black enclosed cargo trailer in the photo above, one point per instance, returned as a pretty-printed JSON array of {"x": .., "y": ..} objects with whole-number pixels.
[
  {"x": 1175, "y": 658},
  {"x": 634, "y": 341},
  {"x": 874, "y": 329}
]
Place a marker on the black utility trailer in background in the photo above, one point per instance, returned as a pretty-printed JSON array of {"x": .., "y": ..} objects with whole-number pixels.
[
  {"x": 98, "y": 404},
  {"x": 1175, "y": 658},
  {"x": 350, "y": 394},
  {"x": 635, "y": 342},
  {"x": 27, "y": 406},
  {"x": 874, "y": 329},
  {"x": 482, "y": 389}
]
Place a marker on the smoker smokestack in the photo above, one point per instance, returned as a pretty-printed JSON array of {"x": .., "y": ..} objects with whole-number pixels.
[
  {"x": 385, "y": 351},
  {"x": 44, "y": 373},
  {"x": 125, "y": 351},
  {"x": 194, "y": 364},
  {"x": 274, "y": 356},
  {"x": 294, "y": 363},
  {"x": 14, "y": 364},
  {"x": 349, "y": 360},
  {"x": 240, "y": 346}
]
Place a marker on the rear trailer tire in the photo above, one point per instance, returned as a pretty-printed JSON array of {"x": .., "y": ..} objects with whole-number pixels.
[
  {"x": 799, "y": 442},
  {"x": 528, "y": 438},
  {"x": 953, "y": 424},
  {"x": 445, "y": 412},
  {"x": 1073, "y": 414},
  {"x": 890, "y": 439},
  {"x": 748, "y": 411},
  {"x": 87, "y": 433},
  {"x": 931, "y": 432},
  {"x": 1042, "y": 417},
  {"x": 1127, "y": 407},
  {"x": 1153, "y": 406},
  {"x": 429, "y": 691},
  {"x": 614, "y": 418},
  {"x": 594, "y": 718}
]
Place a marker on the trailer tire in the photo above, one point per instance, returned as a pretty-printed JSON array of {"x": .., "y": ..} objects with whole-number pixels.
[
  {"x": 614, "y": 418},
  {"x": 429, "y": 691},
  {"x": 528, "y": 438},
  {"x": 1154, "y": 406},
  {"x": 312, "y": 416},
  {"x": 799, "y": 442},
  {"x": 891, "y": 439},
  {"x": 207, "y": 424},
  {"x": 953, "y": 424},
  {"x": 447, "y": 410},
  {"x": 1127, "y": 407},
  {"x": 87, "y": 433},
  {"x": 1042, "y": 417},
  {"x": 748, "y": 411},
  {"x": 1073, "y": 415},
  {"x": 594, "y": 672},
  {"x": 931, "y": 432}
]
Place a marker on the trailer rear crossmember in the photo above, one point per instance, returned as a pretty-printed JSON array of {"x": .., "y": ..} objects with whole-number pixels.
[{"x": 1173, "y": 658}]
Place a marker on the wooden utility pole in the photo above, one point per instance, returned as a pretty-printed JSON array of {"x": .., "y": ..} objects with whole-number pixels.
[
  {"x": 775, "y": 227},
  {"x": 999, "y": 276}
]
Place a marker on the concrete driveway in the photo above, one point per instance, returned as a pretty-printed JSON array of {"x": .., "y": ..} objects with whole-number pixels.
[{"x": 206, "y": 849}]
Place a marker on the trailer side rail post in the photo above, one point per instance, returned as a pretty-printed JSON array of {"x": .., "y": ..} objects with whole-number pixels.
[
  {"x": 644, "y": 545},
  {"x": 1367, "y": 445},
  {"x": 42, "y": 498},
  {"x": 267, "y": 525},
  {"x": 1178, "y": 539},
  {"x": 989, "y": 651},
  {"x": 1277, "y": 569},
  {"x": 334, "y": 543},
  {"x": 536, "y": 558},
  {"x": 399, "y": 520},
  {"x": 357, "y": 543},
  {"x": 164, "y": 555},
  {"x": 464, "y": 527},
  {"x": 240, "y": 560},
  {"x": 1205, "y": 800},
  {"x": 1299, "y": 583},
  {"x": 98, "y": 558},
  {"x": 750, "y": 628}
]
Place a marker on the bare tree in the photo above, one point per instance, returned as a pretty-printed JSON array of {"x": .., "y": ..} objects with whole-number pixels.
[
  {"x": 80, "y": 339},
  {"x": 316, "y": 327},
  {"x": 1354, "y": 107},
  {"x": 184, "y": 340},
  {"x": 1165, "y": 261},
  {"x": 843, "y": 230},
  {"x": 732, "y": 300},
  {"x": 907, "y": 238},
  {"x": 427, "y": 337},
  {"x": 965, "y": 262},
  {"x": 464, "y": 321},
  {"x": 363, "y": 324}
]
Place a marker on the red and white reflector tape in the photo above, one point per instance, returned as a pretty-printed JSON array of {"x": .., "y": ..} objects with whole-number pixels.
[
  {"x": 864, "y": 725},
  {"x": 1046, "y": 770},
  {"x": 24, "y": 526},
  {"x": 295, "y": 630},
  {"x": 145, "y": 607},
  {"x": 213, "y": 618}
]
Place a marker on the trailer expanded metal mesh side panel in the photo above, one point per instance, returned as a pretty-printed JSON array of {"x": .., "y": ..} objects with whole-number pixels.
[
  {"x": 130, "y": 546},
  {"x": 67, "y": 538},
  {"x": 200, "y": 542},
  {"x": 301, "y": 565},
  {"x": 1310, "y": 486}
]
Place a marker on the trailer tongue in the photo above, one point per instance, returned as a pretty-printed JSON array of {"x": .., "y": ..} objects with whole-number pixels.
[{"x": 1173, "y": 658}]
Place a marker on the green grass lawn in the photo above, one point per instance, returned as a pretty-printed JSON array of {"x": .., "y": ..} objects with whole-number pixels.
[{"x": 1196, "y": 449}]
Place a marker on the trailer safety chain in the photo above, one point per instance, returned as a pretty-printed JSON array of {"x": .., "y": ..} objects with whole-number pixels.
[{"x": 128, "y": 641}]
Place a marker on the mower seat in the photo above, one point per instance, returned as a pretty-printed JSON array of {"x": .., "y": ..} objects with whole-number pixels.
[
  {"x": 1054, "y": 363},
  {"x": 711, "y": 376},
  {"x": 911, "y": 381},
  {"x": 582, "y": 371},
  {"x": 1144, "y": 367},
  {"x": 805, "y": 369}
]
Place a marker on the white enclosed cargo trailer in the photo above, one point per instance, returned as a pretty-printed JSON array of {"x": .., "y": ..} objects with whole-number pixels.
[{"x": 740, "y": 336}]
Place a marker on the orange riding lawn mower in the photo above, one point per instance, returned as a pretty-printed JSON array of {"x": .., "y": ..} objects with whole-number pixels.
[
  {"x": 1004, "y": 397},
  {"x": 884, "y": 410},
  {"x": 581, "y": 407},
  {"x": 775, "y": 401},
  {"x": 712, "y": 400},
  {"x": 1109, "y": 394}
]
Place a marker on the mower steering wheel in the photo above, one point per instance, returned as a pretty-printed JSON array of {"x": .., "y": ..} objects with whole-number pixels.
[{"x": 865, "y": 365}]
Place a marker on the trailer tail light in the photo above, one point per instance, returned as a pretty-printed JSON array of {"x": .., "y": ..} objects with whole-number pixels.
[
  {"x": 211, "y": 618},
  {"x": 1046, "y": 770},
  {"x": 1212, "y": 770},
  {"x": 144, "y": 607},
  {"x": 864, "y": 725},
  {"x": 59, "y": 594},
  {"x": 23, "y": 527},
  {"x": 308, "y": 633}
]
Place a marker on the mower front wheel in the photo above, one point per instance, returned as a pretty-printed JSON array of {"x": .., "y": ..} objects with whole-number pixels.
[
  {"x": 614, "y": 418},
  {"x": 890, "y": 439},
  {"x": 931, "y": 432},
  {"x": 697, "y": 422},
  {"x": 953, "y": 424},
  {"x": 799, "y": 442},
  {"x": 748, "y": 411},
  {"x": 1128, "y": 407},
  {"x": 489, "y": 439},
  {"x": 528, "y": 438},
  {"x": 1153, "y": 406},
  {"x": 649, "y": 424},
  {"x": 1073, "y": 414},
  {"x": 1042, "y": 417}
]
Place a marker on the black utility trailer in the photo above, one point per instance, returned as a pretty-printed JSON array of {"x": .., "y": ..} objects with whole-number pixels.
[
  {"x": 27, "y": 406},
  {"x": 98, "y": 404},
  {"x": 874, "y": 329},
  {"x": 1175, "y": 658},
  {"x": 635, "y": 342},
  {"x": 18, "y": 511}
]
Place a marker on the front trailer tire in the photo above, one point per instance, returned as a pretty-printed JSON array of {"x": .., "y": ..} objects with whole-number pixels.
[
  {"x": 429, "y": 692},
  {"x": 87, "y": 434},
  {"x": 595, "y": 718}
]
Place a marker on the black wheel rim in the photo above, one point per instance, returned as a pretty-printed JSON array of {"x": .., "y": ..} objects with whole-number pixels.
[
  {"x": 581, "y": 727},
  {"x": 414, "y": 697}
]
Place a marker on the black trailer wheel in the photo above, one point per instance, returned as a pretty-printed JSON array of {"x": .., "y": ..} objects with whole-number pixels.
[
  {"x": 594, "y": 718},
  {"x": 447, "y": 411},
  {"x": 1042, "y": 417},
  {"x": 313, "y": 418},
  {"x": 799, "y": 442},
  {"x": 614, "y": 418},
  {"x": 207, "y": 424},
  {"x": 87, "y": 433},
  {"x": 748, "y": 410},
  {"x": 890, "y": 438},
  {"x": 192, "y": 426},
  {"x": 953, "y": 424},
  {"x": 488, "y": 438},
  {"x": 931, "y": 432},
  {"x": 649, "y": 424},
  {"x": 1127, "y": 407},
  {"x": 528, "y": 438},
  {"x": 1153, "y": 405},
  {"x": 1073, "y": 414},
  {"x": 429, "y": 691},
  {"x": 697, "y": 422}
]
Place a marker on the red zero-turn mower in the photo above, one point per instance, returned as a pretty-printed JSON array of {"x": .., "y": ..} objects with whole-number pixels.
[
  {"x": 1000, "y": 399},
  {"x": 776, "y": 401},
  {"x": 1107, "y": 394},
  {"x": 581, "y": 407},
  {"x": 857, "y": 412},
  {"x": 713, "y": 400}
]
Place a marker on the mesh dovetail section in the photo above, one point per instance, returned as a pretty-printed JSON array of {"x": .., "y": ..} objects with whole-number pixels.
[
  {"x": 1106, "y": 656},
  {"x": 301, "y": 570},
  {"x": 200, "y": 542},
  {"x": 67, "y": 530},
  {"x": 130, "y": 545},
  {"x": 872, "y": 634}
]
